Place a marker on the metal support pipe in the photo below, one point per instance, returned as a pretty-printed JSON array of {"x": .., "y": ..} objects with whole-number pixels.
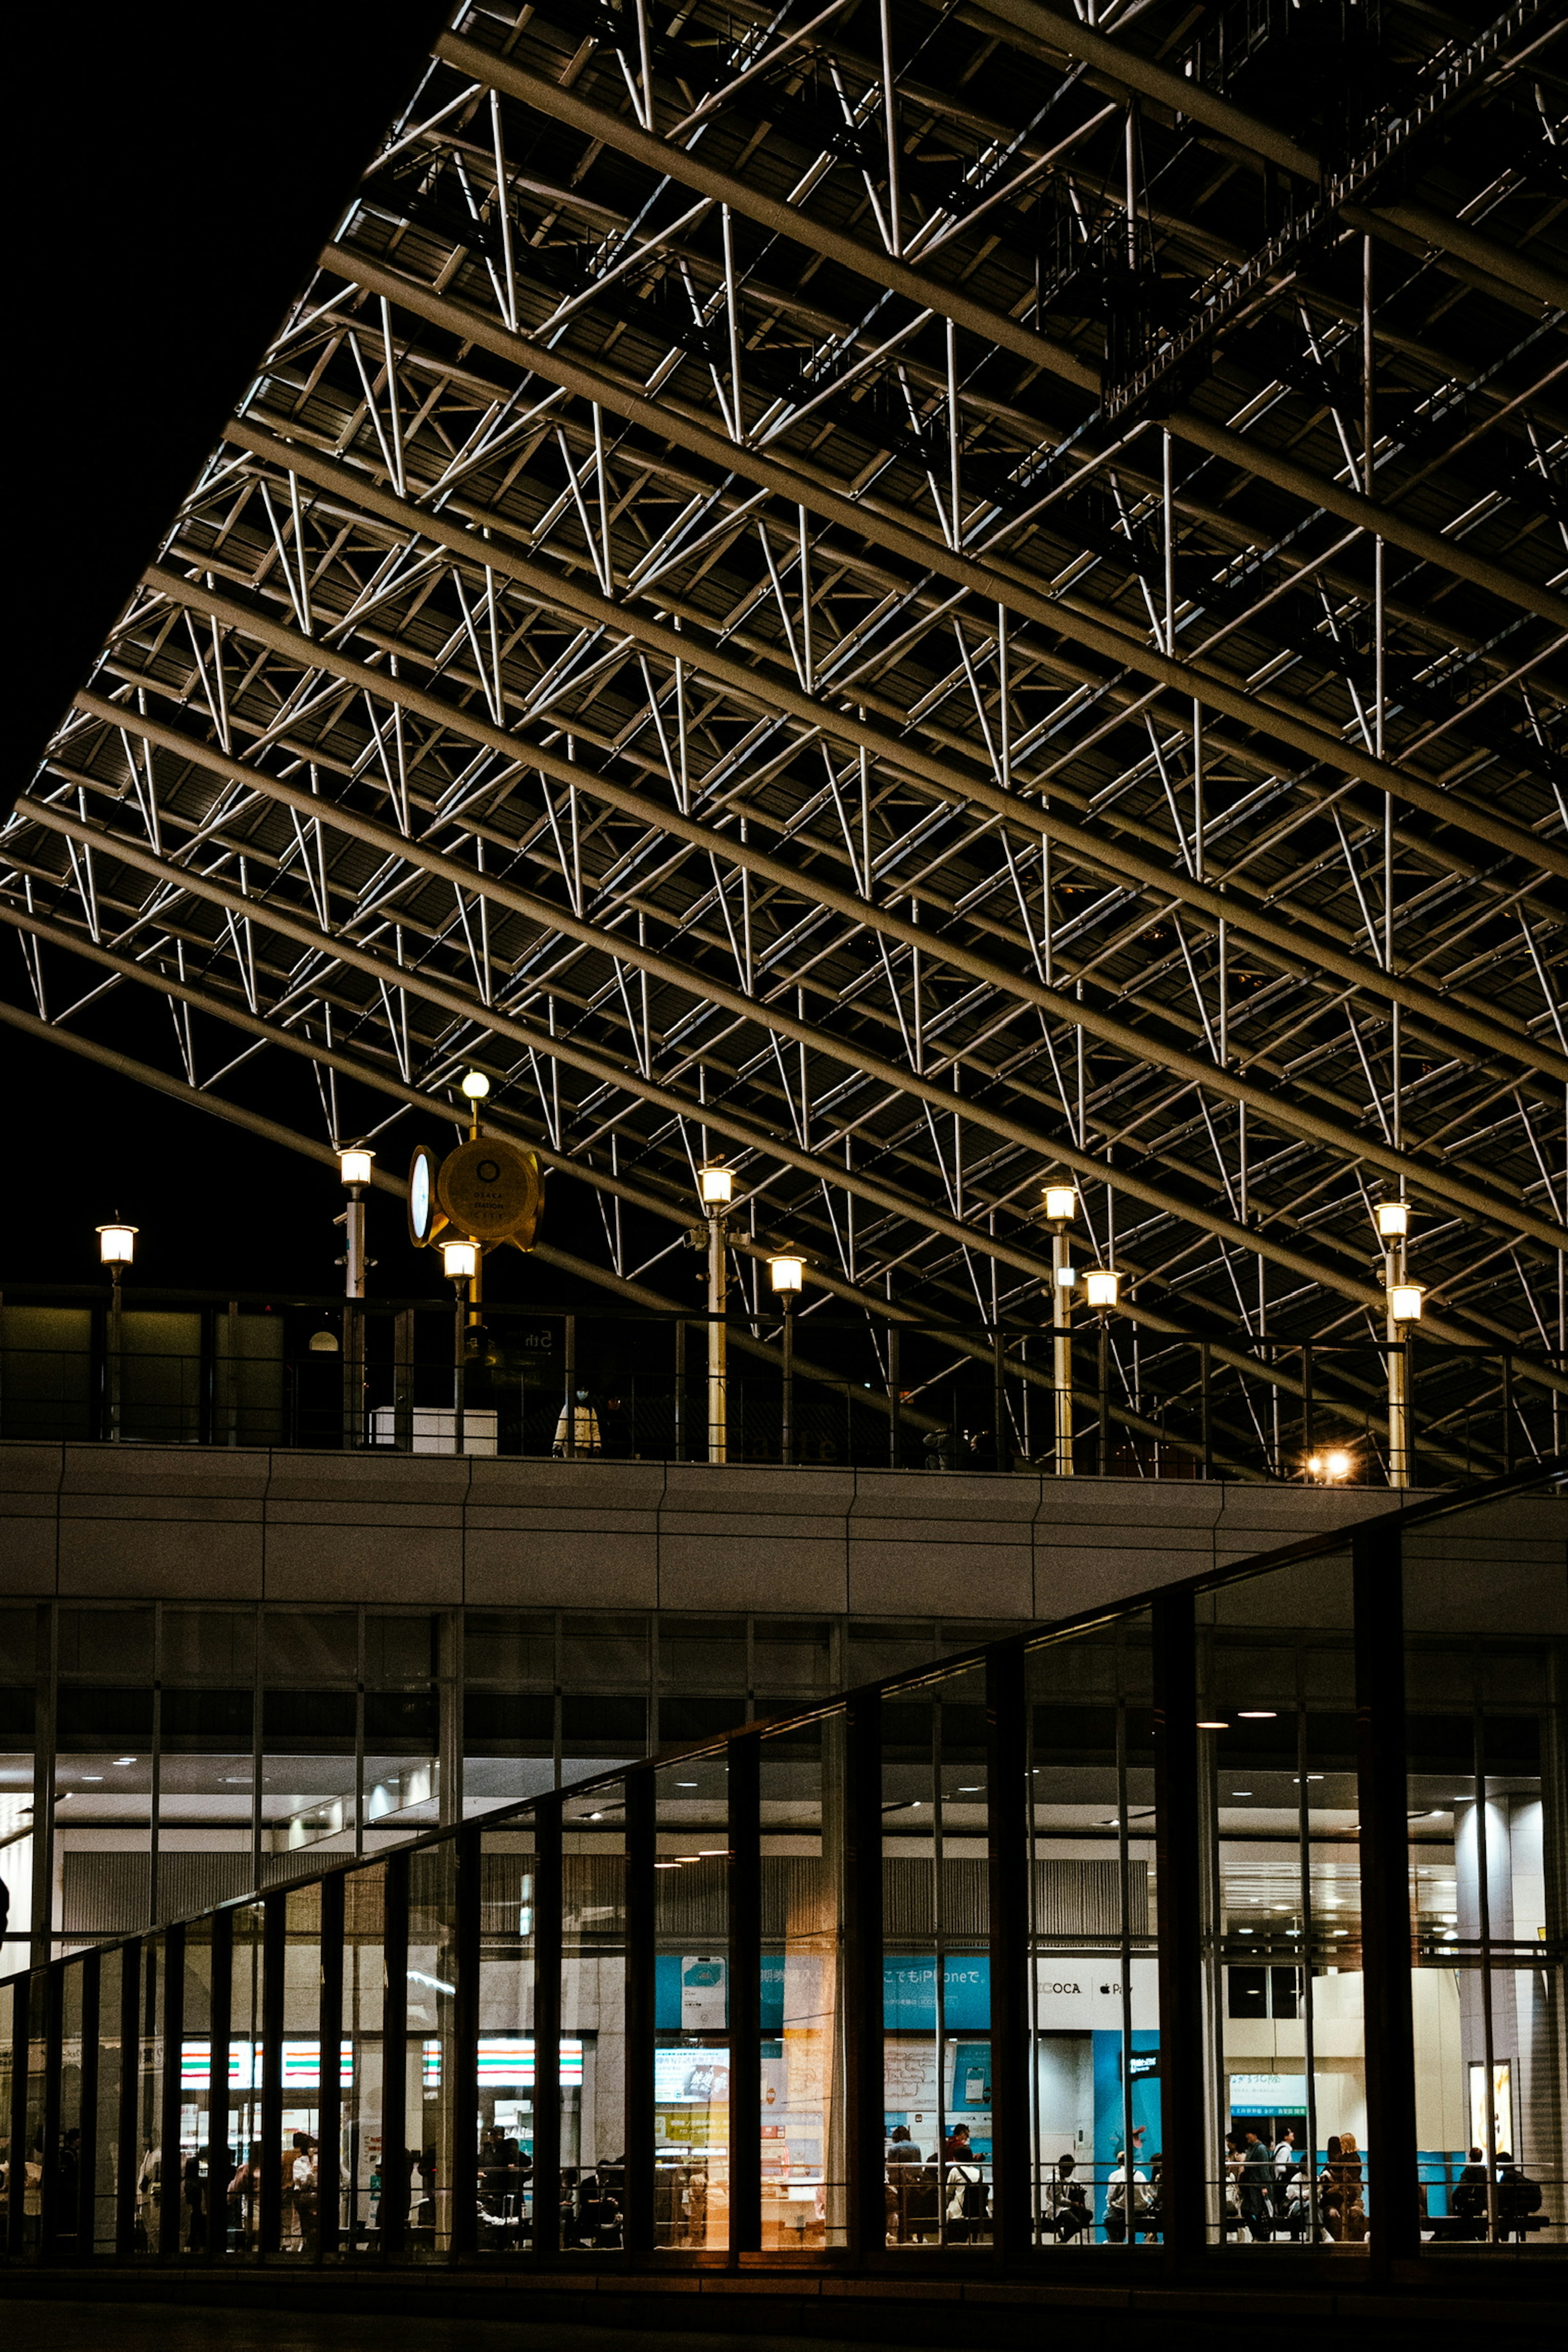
[
  {"x": 786, "y": 1401},
  {"x": 459, "y": 1367},
  {"x": 114, "y": 1356},
  {"x": 895, "y": 1399},
  {"x": 1104, "y": 1433},
  {"x": 1062, "y": 1351},
  {"x": 718, "y": 1337},
  {"x": 1397, "y": 1357}
]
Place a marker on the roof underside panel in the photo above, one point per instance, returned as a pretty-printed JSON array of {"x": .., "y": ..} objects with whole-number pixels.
[{"x": 865, "y": 589}]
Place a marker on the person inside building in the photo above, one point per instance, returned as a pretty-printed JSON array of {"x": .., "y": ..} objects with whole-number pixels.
[
  {"x": 1468, "y": 2204},
  {"x": 1255, "y": 2182},
  {"x": 577, "y": 1429},
  {"x": 1067, "y": 2203},
  {"x": 1126, "y": 2196},
  {"x": 964, "y": 2200}
]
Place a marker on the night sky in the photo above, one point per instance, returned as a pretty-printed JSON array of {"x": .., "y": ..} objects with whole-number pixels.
[{"x": 179, "y": 184}]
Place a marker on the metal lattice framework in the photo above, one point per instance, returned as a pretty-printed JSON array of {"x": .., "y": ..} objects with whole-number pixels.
[{"x": 918, "y": 595}]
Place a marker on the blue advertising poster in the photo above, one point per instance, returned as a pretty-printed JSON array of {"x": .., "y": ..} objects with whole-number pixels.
[{"x": 909, "y": 1993}]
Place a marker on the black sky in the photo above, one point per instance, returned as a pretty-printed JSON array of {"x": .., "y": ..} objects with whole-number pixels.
[{"x": 182, "y": 165}]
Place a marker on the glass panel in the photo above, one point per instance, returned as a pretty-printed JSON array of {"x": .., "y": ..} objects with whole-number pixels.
[
  {"x": 692, "y": 2007},
  {"x": 197, "y": 2059},
  {"x": 803, "y": 2153},
  {"x": 1093, "y": 1984},
  {"x": 34, "y": 2153},
  {"x": 1488, "y": 1848},
  {"x": 432, "y": 2049},
  {"x": 298, "y": 2154},
  {"x": 364, "y": 1982},
  {"x": 506, "y": 2054},
  {"x": 66, "y": 2155},
  {"x": 593, "y": 2020},
  {"x": 243, "y": 2197},
  {"x": 150, "y": 2168},
  {"x": 936, "y": 1967},
  {"x": 1277, "y": 1696},
  {"x": 10, "y": 1994},
  {"x": 110, "y": 2069}
]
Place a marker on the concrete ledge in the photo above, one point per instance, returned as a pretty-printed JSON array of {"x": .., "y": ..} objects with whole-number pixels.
[
  {"x": 130, "y": 1522},
  {"x": 781, "y": 2306}
]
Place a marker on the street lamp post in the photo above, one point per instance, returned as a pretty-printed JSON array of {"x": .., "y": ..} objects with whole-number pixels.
[
  {"x": 460, "y": 1263},
  {"x": 116, "y": 1250},
  {"x": 476, "y": 1087},
  {"x": 1403, "y": 1312},
  {"x": 715, "y": 1190},
  {"x": 354, "y": 1165},
  {"x": 787, "y": 1273},
  {"x": 1102, "y": 1289},
  {"x": 1061, "y": 1208}
]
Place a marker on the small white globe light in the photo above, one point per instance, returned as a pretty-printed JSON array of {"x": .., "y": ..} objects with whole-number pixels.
[{"x": 476, "y": 1086}]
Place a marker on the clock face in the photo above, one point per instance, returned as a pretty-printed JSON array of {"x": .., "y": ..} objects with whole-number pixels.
[{"x": 421, "y": 1195}]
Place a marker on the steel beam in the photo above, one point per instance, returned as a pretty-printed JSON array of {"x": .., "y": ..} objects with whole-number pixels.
[
  {"x": 1137, "y": 1044},
  {"x": 1304, "y": 949},
  {"x": 1191, "y": 681},
  {"x": 947, "y": 302}
]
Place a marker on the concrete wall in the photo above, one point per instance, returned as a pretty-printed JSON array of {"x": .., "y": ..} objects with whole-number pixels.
[{"x": 132, "y": 1522}]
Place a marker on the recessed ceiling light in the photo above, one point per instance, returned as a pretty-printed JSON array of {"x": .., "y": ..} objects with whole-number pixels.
[
  {"x": 973, "y": 1789},
  {"x": 667, "y": 1865},
  {"x": 1256, "y": 1713},
  {"x": 1244, "y": 1931},
  {"x": 92, "y": 1776},
  {"x": 1241, "y": 1792},
  {"x": 1214, "y": 1726},
  {"x": 125, "y": 1759},
  {"x": 686, "y": 1784}
]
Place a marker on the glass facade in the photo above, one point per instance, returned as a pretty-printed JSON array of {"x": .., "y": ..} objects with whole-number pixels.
[
  {"x": 157, "y": 1758},
  {"x": 1218, "y": 1925}
]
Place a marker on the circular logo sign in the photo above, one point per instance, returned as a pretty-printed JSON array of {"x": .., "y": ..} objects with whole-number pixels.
[{"x": 491, "y": 1189}]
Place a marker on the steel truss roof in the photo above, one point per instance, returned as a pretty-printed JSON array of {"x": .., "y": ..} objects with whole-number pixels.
[{"x": 917, "y": 594}]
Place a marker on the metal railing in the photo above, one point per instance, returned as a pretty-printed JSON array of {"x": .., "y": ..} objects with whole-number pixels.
[{"x": 812, "y": 1390}]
